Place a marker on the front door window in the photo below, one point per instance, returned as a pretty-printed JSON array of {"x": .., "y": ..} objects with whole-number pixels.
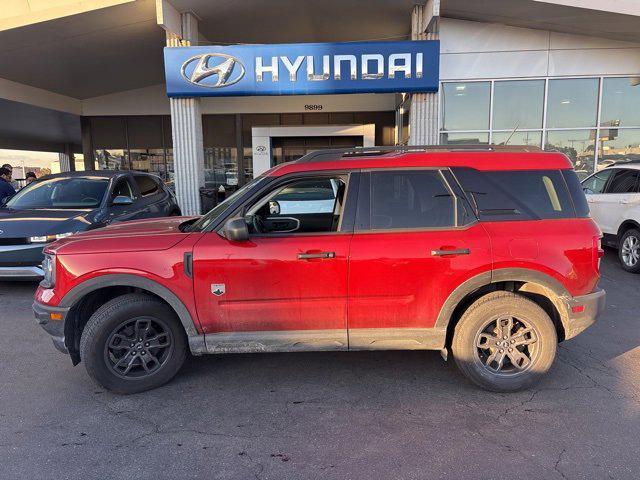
[{"x": 311, "y": 205}]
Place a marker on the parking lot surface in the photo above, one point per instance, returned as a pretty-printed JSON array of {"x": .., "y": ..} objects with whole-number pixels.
[{"x": 369, "y": 415}]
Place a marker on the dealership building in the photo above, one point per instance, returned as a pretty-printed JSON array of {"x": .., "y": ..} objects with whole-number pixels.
[{"x": 207, "y": 93}]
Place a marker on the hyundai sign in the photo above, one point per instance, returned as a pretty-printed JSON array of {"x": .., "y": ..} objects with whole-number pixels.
[{"x": 301, "y": 69}]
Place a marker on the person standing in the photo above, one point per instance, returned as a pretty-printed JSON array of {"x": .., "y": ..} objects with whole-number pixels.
[
  {"x": 30, "y": 177},
  {"x": 6, "y": 189}
]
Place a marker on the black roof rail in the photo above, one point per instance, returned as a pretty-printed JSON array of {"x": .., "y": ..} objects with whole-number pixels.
[{"x": 342, "y": 153}]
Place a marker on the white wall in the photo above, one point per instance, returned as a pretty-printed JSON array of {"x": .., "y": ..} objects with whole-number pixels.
[
  {"x": 475, "y": 50},
  {"x": 153, "y": 101}
]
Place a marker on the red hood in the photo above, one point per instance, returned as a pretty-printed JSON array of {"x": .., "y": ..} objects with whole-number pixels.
[{"x": 134, "y": 236}]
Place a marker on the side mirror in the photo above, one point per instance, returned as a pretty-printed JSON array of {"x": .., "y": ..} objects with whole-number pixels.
[
  {"x": 122, "y": 200},
  {"x": 274, "y": 207},
  {"x": 236, "y": 230}
]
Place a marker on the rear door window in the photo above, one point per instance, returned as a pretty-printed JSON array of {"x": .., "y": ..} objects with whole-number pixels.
[
  {"x": 623, "y": 181},
  {"x": 410, "y": 199},
  {"x": 516, "y": 195}
]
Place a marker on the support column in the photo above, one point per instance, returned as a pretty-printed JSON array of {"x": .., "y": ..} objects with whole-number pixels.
[
  {"x": 188, "y": 153},
  {"x": 186, "y": 129},
  {"x": 424, "y": 111},
  {"x": 87, "y": 145},
  {"x": 65, "y": 162},
  {"x": 66, "y": 159}
]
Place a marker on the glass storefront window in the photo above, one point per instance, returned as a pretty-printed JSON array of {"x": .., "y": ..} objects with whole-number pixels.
[
  {"x": 620, "y": 102},
  {"x": 572, "y": 103},
  {"x": 248, "y": 163},
  {"x": 466, "y": 138},
  {"x": 465, "y": 105},
  {"x": 221, "y": 168},
  {"x": 149, "y": 160},
  {"x": 518, "y": 138},
  {"x": 112, "y": 159},
  {"x": 518, "y": 104},
  {"x": 402, "y": 121},
  {"x": 578, "y": 145},
  {"x": 618, "y": 145}
]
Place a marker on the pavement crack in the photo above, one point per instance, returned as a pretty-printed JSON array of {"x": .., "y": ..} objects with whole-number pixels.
[
  {"x": 256, "y": 474},
  {"x": 522, "y": 404},
  {"x": 556, "y": 466}
]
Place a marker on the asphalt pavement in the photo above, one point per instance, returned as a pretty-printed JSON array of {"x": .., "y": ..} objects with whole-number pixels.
[{"x": 352, "y": 415}]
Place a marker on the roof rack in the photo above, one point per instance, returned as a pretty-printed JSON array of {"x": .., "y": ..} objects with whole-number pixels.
[{"x": 345, "y": 153}]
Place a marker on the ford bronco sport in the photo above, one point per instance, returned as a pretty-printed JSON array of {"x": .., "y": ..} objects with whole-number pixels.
[{"x": 486, "y": 253}]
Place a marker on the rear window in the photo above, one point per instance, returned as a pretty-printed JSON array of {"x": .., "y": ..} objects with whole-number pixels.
[
  {"x": 577, "y": 193},
  {"x": 516, "y": 195}
]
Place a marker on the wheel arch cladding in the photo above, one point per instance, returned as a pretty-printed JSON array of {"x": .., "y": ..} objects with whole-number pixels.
[
  {"x": 627, "y": 225},
  {"x": 114, "y": 285},
  {"x": 543, "y": 289}
]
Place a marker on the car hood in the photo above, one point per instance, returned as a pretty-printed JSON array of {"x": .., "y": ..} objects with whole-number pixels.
[
  {"x": 133, "y": 236},
  {"x": 16, "y": 223}
]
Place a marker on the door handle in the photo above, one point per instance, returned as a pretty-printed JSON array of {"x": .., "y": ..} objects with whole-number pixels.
[
  {"x": 308, "y": 256},
  {"x": 457, "y": 251}
]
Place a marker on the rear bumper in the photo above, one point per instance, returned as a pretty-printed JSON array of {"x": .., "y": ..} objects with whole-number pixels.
[
  {"x": 55, "y": 328},
  {"x": 583, "y": 311}
]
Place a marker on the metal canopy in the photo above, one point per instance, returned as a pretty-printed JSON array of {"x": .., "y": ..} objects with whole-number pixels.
[{"x": 120, "y": 48}]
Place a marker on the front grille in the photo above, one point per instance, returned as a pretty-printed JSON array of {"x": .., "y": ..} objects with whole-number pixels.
[{"x": 14, "y": 241}]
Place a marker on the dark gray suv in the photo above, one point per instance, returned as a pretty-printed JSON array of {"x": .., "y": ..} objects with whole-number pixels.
[{"x": 59, "y": 205}]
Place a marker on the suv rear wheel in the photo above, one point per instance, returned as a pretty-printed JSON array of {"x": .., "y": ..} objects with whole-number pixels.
[
  {"x": 133, "y": 343},
  {"x": 629, "y": 250},
  {"x": 504, "y": 342}
]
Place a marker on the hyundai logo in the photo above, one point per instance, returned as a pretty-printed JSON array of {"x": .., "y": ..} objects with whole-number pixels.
[{"x": 225, "y": 69}]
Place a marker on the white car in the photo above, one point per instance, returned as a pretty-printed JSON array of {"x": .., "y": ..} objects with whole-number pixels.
[{"x": 614, "y": 200}]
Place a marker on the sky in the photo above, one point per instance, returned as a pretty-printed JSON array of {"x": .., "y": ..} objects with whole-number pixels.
[{"x": 31, "y": 159}]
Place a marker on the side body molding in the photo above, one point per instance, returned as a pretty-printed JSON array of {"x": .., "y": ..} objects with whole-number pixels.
[
  {"x": 128, "y": 280},
  {"x": 502, "y": 275}
]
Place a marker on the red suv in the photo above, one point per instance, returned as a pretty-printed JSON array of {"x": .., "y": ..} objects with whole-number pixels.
[{"x": 489, "y": 254}]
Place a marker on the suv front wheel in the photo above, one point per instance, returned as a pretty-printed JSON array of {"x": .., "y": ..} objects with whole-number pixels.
[
  {"x": 504, "y": 342},
  {"x": 133, "y": 343}
]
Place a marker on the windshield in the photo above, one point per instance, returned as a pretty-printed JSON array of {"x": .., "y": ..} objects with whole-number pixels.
[
  {"x": 61, "y": 192},
  {"x": 212, "y": 214}
]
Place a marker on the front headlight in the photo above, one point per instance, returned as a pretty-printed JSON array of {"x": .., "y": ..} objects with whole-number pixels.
[
  {"x": 49, "y": 238},
  {"x": 49, "y": 269}
]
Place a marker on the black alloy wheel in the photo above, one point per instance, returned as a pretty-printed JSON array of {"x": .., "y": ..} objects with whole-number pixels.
[{"x": 138, "y": 347}]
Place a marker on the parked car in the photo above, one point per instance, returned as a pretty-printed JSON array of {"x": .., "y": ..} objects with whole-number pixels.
[
  {"x": 614, "y": 200},
  {"x": 488, "y": 254},
  {"x": 56, "y": 206}
]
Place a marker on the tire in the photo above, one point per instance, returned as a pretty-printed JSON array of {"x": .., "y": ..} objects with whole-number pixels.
[
  {"x": 152, "y": 363},
  {"x": 629, "y": 250},
  {"x": 479, "y": 324}
]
